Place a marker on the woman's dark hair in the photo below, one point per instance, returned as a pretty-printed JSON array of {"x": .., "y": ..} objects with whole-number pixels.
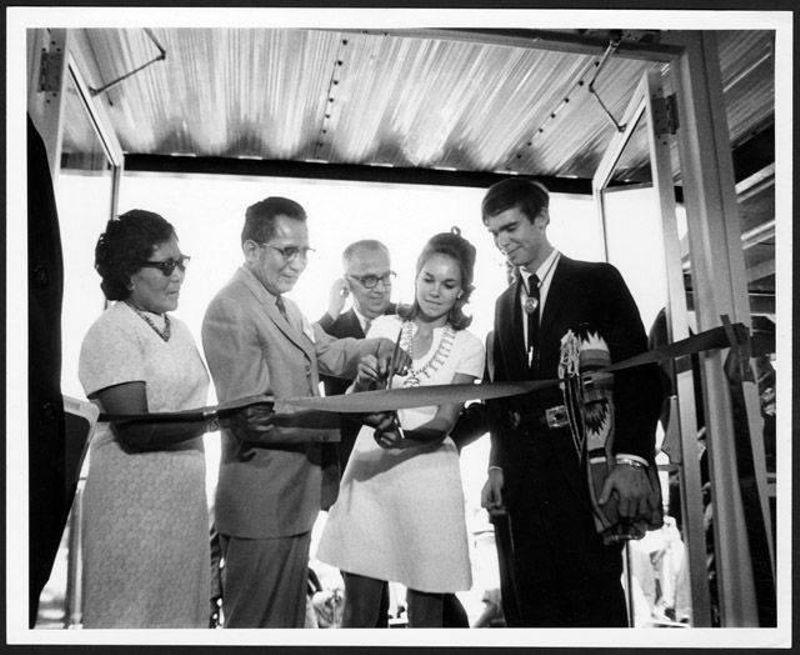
[
  {"x": 128, "y": 241},
  {"x": 453, "y": 245}
]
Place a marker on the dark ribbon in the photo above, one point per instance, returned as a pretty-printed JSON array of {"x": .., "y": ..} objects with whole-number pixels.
[{"x": 393, "y": 399}]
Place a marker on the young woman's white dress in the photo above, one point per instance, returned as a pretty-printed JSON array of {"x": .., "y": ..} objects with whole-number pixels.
[{"x": 400, "y": 513}]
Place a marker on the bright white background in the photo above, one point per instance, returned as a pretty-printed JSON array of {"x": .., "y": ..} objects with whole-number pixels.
[{"x": 208, "y": 214}]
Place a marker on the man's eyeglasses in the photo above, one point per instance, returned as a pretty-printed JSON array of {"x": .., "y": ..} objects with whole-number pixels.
[
  {"x": 371, "y": 281},
  {"x": 290, "y": 253},
  {"x": 167, "y": 267}
]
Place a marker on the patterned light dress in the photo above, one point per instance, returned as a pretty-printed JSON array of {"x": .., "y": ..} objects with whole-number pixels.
[
  {"x": 400, "y": 513},
  {"x": 146, "y": 554}
]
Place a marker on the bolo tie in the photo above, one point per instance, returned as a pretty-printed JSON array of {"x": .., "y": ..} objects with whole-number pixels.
[{"x": 532, "y": 310}]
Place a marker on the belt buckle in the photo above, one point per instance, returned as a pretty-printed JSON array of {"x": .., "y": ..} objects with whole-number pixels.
[{"x": 556, "y": 417}]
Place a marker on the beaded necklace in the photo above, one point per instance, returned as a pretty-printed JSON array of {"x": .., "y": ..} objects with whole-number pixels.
[
  {"x": 165, "y": 333},
  {"x": 434, "y": 363}
]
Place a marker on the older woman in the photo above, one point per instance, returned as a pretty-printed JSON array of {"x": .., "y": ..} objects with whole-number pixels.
[
  {"x": 400, "y": 512},
  {"x": 146, "y": 549}
]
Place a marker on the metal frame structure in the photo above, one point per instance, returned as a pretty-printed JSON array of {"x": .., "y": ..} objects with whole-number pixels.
[
  {"x": 648, "y": 93},
  {"x": 720, "y": 287},
  {"x": 47, "y": 104},
  {"x": 717, "y": 262}
]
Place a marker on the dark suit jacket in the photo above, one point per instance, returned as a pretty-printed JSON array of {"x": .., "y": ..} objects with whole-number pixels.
[
  {"x": 580, "y": 292},
  {"x": 343, "y": 326}
]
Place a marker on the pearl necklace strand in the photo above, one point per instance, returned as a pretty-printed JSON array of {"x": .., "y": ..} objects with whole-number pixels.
[{"x": 165, "y": 333}]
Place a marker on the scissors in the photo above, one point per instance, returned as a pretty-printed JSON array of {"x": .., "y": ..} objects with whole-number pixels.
[{"x": 389, "y": 377}]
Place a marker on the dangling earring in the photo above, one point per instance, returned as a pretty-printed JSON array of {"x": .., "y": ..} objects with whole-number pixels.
[{"x": 460, "y": 293}]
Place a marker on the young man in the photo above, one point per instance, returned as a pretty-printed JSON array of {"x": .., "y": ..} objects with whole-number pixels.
[{"x": 563, "y": 573}]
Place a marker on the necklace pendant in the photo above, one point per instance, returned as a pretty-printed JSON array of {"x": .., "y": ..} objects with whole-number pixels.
[
  {"x": 164, "y": 334},
  {"x": 531, "y": 304}
]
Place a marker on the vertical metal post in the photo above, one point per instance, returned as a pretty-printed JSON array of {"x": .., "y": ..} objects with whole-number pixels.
[
  {"x": 73, "y": 614},
  {"x": 720, "y": 288},
  {"x": 659, "y": 140}
]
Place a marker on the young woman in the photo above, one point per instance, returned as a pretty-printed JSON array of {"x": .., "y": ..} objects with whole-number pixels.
[{"x": 400, "y": 511}]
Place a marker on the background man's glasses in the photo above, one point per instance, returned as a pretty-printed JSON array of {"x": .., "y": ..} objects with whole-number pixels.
[
  {"x": 289, "y": 253},
  {"x": 371, "y": 281},
  {"x": 167, "y": 267}
]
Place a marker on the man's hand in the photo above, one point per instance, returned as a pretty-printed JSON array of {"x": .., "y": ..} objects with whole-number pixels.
[
  {"x": 384, "y": 355},
  {"x": 492, "y": 493},
  {"x": 254, "y": 419},
  {"x": 340, "y": 289},
  {"x": 632, "y": 487},
  {"x": 391, "y": 437},
  {"x": 380, "y": 421},
  {"x": 369, "y": 374}
]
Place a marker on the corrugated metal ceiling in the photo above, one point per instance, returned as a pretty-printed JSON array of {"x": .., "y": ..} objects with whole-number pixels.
[{"x": 388, "y": 99}]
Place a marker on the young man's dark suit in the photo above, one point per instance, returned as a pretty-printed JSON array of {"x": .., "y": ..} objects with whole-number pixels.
[{"x": 565, "y": 576}]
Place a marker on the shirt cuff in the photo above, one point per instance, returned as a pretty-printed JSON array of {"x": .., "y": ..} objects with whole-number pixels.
[
  {"x": 621, "y": 457},
  {"x": 495, "y": 468}
]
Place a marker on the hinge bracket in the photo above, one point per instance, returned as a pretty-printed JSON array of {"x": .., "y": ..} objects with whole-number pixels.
[
  {"x": 665, "y": 114},
  {"x": 50, "y": 71},
  {"x": 672, "y": 113}
]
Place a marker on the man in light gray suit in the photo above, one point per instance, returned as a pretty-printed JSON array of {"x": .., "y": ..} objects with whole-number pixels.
[{"x": 273, "y": 478}]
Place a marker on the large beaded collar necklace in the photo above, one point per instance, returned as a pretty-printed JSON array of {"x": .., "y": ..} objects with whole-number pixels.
[
  {"x": 165, "y": 333},
  {"x": 407, "y": 331}
]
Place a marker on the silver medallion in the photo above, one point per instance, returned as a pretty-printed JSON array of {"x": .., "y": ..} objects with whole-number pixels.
[{"x": 531, "y": 304}]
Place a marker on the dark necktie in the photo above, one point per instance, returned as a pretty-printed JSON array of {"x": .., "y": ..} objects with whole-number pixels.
[
  {"x": 281, "y": 307},
  {"x": 532, "y": 309},
  {"x": 367, "y": 324}
]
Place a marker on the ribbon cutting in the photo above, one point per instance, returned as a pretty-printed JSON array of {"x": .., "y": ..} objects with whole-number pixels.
[{"x": 404, "y": 398}]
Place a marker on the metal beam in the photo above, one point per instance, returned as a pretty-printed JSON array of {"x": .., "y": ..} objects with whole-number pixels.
[
  {"x": 351, "y": 172},
  {"x": 761, "y": 270},
  {"x": 756, "y": 183},
  {"x": 570, "y": 42}
]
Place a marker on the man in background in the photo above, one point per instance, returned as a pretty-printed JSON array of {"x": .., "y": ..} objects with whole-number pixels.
[{"x": 368, "y": 281}]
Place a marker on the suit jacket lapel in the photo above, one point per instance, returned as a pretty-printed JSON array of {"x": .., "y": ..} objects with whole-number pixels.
[
  {"x": 354, "y": 325},
  {"x": 558, "y": 298},
  {"x": 267, "y": 302},
  {"x": 513, "y": 343}
]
